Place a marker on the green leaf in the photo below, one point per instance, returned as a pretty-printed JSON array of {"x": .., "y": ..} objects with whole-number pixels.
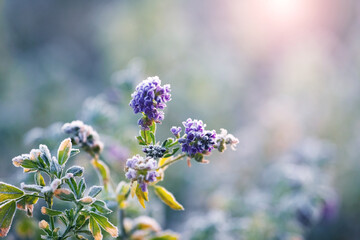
[
  {"x": 153, "y": 138},
  {"x": 64, "y": 151},
  {"x": 101, "y": 207},
  {"x": 8, "y": 191},
  {"x": 50, "y": 212},
  {"x": 27, "y": 203},
  {"x": 172, "y": 153},
  {"x": 167, "y": 198},
  {"x": 74, "y": 152},
  {"x": 7, "y": 212},
  {"x": 64, "y": 194},
  {"x": 39, "y": 179},
  {"x": 95, "y": 190},
  {"x": 140, "y": 140},
  {"x": 153, "y": 127},
  {"x": 80, "y": 221},
  {"x": 77, "y": 171},
  {"x": 95, "y": 229},
  {"x": 31, "y": 187},
  {"x": 105, "y": 224}
]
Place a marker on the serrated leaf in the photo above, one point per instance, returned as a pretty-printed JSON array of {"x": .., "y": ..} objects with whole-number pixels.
[
  {"x": 95, "y": 229},
  {"x": 50, "y": 212},
  {"x": 7, "y": 212},
  {"x": 105, "y": 224},
  {"x": 64, "y": 194},
  {"x": 95, "y": 190},
  {"x": 141, "y": 196},
  {"x": 8, "y": 191},
  {"x": 101, "y": 207},
  {"x": 64, "y": 151},
  {"x": 167, "y": 198}
]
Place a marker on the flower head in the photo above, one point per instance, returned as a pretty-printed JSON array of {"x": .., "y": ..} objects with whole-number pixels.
[
  {"x": 223, "y": 139},
  {"x": 196, "y": 138},
  {"x": 154, "y": 151},
  {"x": 142, "y": 170},
  {"x": 176, "y": 131},
  {"x": 150, "y": 98},
  {"x": 84, "y": 135}
]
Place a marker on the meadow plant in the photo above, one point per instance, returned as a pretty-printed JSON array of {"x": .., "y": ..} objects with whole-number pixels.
[{"x": 87, "y": 214}]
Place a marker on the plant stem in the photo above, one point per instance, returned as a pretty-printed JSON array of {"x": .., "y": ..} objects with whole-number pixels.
[
  {"x": 70, "y": 226},
  {"x": 52, "y": 224},
  {"x": 121, "y": 216},
  {"x": 172, "y": 161}
]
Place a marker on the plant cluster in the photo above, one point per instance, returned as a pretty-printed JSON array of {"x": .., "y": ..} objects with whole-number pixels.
[{"x": 87, "y": 213}]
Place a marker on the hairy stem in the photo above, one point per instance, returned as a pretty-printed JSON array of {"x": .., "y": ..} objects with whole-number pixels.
[{"x": 172, "y": 161}]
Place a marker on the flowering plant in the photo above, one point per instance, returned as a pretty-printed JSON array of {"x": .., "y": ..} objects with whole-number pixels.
[{"x": 87, "y": 214}]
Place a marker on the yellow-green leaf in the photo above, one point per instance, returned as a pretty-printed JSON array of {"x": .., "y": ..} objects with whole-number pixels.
[
  {"x": 105, "y": 224},
  {"x": 7, "y": 212},
  {"x": 8, "y": 191},
  {"x": 167, "y": 198},
  {"x": 95, "y": 229},
  {"x": 64, "y": 151},
  {"x": 142, "y": 196},
  {"x": 103, "y": 171}
]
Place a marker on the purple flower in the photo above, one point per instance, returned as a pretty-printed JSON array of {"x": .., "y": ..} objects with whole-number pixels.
[
  {"x": 149, "y": 98},
  {"x": 142, "y": 170},
  {"x": 176, "y": 131},
  {"x": 197, "y": 139}
]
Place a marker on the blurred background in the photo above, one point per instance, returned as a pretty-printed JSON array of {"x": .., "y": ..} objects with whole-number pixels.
[{"x": 281, "y": 75}]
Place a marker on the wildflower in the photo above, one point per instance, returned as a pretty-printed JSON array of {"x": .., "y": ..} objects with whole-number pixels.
[
  {"x": 150, "y": 98},
  {"x": 223, "y": 139},
  {"x": 154, "y": 151},
  {"x": 196, "y": 138},
  {"x": 84, "y": 135},
  {"x": 142, "y": 170},
  {"x": 176, "y": 131}
]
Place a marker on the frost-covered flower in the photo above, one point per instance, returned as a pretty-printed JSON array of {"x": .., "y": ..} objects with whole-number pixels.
[
  {"x": 83, "y": 135},
  {"x": 142, "y": 170},
  {"x": 196, "y": 138},
  {"x": 223, "y": 139},
  {"x": 150, "y": 98},
  {"x": 154, "y": 151}
]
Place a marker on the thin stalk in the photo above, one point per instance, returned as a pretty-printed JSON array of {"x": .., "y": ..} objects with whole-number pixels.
[
  {"x": 52, "y": 224},
  {"x": 172, "y": 161},
  {"x": 121, "y": 216}
]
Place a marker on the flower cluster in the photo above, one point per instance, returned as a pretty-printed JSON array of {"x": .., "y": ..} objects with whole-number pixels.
[
  {"x": 196, "y": 138},
  {"x": 149, "y": 98},
  {"x": 154, "y": 151},
  {"x": 142, "y": 170},
  {"x": 223, "y": 139},
  {"x": 84, "y": 135}
]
